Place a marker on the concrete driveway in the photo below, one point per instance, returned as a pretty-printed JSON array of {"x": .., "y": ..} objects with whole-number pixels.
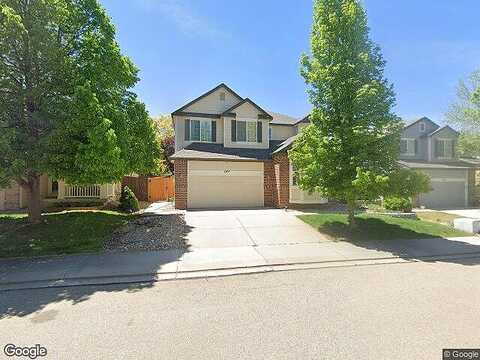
[
  {"x": 467, "y": 213},
  {"x": 233, "y": 228}
]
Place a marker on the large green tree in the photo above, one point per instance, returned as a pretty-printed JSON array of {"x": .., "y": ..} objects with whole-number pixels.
[
  {"x": 351, "y": 146},
  {"x": 65, "y": 105},
  {"x": 464, "y": 114}
]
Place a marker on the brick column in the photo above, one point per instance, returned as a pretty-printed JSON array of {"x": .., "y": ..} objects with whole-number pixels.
[
  {"x": 268, "y": 183},
  {"x": 181, "y": 184},
  {"x": 281, "y": 194}
]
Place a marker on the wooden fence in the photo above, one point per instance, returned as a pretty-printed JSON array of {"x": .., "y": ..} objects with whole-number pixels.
[{"x": 151, "y": 189}]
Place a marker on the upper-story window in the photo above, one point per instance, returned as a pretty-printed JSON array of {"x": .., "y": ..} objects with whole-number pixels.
[
  {"x": 246, "y": 131},
  {"x": 222, "y": 96},
  {"x": 422, "y": 127},
  {"x": 407, "y": 146},
  {"x": 200, "y": 130},
  {"x": 444, "y": 148}
]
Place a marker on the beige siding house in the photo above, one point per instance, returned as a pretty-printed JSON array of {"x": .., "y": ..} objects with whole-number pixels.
[{"x": 231, "y": 153}]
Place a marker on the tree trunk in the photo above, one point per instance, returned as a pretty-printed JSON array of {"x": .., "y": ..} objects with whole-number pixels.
[
  {"x": 34, "y": 200},
  {"x": 351, "y": 213}
]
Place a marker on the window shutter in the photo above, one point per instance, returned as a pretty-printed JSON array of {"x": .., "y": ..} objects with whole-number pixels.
[
  {"x": 187, "y": 130},
  {"x": 437, "y": 148},
  {"x": 214, "y": 131},
  {"x": 233, "y": 130},
  {"x": 415, "y": 147},
  {"x": 454, "y": 149},
  {"x": 259, "y": 131}
]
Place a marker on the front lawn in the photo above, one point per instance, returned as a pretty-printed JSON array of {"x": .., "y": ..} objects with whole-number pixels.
[
  {"x": 67, "y": 232},
  {"x": 376, "y": 227}
]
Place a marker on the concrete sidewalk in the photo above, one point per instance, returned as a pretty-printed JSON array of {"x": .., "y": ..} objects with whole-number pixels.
[{"x": 200, "y": 262}]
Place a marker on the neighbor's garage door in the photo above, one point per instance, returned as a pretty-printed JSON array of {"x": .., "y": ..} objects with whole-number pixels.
[
  {"x": 225, "y": 184},
  {"x": 450, "y": 190}
]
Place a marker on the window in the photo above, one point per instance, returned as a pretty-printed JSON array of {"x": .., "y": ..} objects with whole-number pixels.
[
  {"x": 246, "y": 131},
  {"x": 407, "y": 146},
  {"x": 270, "y": 133},
  {"x": 294, "y": 175},
  {"x": 222, "y": 96},
  {"x": 444, "y": 148},
  {"x": 200, "y": 130},
  {"x": 422, "y": 127}
]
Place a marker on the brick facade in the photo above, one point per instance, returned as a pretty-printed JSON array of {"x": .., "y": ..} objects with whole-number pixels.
[
  {"x": 281, "y": 167},
  {"x": 269, "y": 183},
  {"x": 181, "y": 183},
  {"x": 276, "y": 182}
]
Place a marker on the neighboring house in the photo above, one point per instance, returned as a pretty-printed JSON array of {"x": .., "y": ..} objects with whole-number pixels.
[
  {"x": 229, "y": 152},
  {"x": 431, "y": 149},
  {"x": 55, "y": 192}
]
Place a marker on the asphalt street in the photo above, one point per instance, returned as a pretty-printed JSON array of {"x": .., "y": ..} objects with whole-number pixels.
[{"x": 390, "y": 311}]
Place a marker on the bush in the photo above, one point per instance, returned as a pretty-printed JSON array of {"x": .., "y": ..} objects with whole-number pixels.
[
  {"x": 398, "y": 204},
  {"x": 128, "y": 201}
]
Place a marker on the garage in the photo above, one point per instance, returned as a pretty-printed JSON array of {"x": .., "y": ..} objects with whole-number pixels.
[
  {"x": 450, "y": 189},
  {"x": 225, "y": 184}
]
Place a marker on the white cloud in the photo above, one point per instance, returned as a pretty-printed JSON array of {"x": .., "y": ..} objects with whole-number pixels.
[{"x": 181, "y": 16}]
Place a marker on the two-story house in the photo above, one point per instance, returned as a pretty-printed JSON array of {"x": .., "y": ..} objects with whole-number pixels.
[
  {"x": 431, "y": 149},
  {"x": 232, "y": 153}
]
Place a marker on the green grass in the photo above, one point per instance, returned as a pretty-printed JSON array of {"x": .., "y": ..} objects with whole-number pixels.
[
  {"x": 67, "y": 232},
  {"x": 376, "y": 227}
]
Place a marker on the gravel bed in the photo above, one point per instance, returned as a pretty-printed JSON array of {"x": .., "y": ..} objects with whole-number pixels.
[{"x": 149, "y": 233}]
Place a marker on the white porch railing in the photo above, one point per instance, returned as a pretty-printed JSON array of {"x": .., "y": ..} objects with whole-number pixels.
[{"x": 82, "y": 191}]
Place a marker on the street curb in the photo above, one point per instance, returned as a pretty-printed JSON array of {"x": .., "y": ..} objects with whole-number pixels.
[{"x": 149, "y": 278}]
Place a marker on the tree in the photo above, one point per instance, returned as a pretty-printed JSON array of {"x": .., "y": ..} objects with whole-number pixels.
[
  {"x": 469, "y": 145},
  {"x": 464, "y": 113},
  {"x": 166, "y": 137},
  {"x": 352, "y": 144},
  {"x": 65, "y": 105},
  {"x": 406, "y": 183}
]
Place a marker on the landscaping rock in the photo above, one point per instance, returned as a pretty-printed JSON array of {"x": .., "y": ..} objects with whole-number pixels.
[{"x": 149, "y": 233}]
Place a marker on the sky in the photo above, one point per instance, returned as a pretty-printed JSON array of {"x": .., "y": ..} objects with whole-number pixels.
[{"x": 184, "y": 48}]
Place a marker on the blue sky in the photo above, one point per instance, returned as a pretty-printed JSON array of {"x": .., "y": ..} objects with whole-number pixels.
[{"x": 185, "y": 47}]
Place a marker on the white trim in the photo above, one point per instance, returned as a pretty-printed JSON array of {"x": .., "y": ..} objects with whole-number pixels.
[
  {"x": 408, "y": 153},
  {"x": 443, "y": 157},
  {"x": 246, "y": 120},
  {"x": 200, "y": 134},
  {"x": 226, "y": 172}
]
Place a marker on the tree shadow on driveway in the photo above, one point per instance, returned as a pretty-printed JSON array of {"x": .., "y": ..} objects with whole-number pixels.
[{"x": 124, "y": 259}]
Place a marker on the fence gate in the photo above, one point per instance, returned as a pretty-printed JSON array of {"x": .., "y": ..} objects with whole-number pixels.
[{"x": 160, "y": 188}]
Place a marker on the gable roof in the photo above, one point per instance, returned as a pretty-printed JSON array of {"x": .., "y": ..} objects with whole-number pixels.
[
  {"x": 222, "y": 85},
  {"x": 443, "y": 128},
  {"x": 422, "y": 119},
  {"x": 247, "y": 100},
  {"x": 281, "y": 119},
  {"x": 305, "y": 120}
]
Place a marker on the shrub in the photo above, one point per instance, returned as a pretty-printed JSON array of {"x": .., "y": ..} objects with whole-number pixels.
[
  {"x": 128, "y": 201},
  {"x": 398, "y": 204}
]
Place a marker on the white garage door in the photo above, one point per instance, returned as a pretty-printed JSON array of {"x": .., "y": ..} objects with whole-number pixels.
[
  {"x": 225, "y": 184},
  {"x": 446, "y": 194}
]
